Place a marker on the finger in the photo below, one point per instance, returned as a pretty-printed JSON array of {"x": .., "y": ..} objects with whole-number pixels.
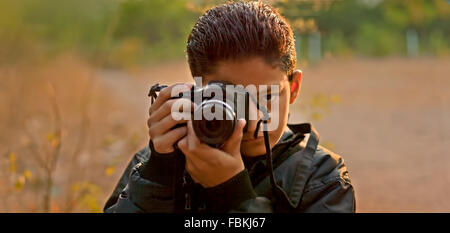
[
  {"x": 194, "y": 166},
  {"x": 166, "y": 93},
  {"x": 163, "y": 126},
  {"x": 164, "y": 143},
  {"x": 183, "y": 144},
  {"x": 161, "y": 112},
  {"x": 192, "y": 158},
  {"x": 174, "y": 107},
  {"x": 233, "y": 144},
  {"x": 193, "y": 148},
  {"x": 192, "y": 139}
]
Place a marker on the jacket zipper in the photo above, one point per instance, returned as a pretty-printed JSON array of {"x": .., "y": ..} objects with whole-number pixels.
[{"x": 187, "y": 197}]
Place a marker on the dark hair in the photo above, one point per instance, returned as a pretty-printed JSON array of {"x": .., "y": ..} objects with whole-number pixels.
[{"x": 240, "y": 30}]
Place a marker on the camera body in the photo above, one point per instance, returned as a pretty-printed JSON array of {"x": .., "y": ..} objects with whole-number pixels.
[{"x": 218, "y": 107}]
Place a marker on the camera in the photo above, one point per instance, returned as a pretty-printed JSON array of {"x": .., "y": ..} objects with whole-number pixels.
[{"x": 219, "y": 105}]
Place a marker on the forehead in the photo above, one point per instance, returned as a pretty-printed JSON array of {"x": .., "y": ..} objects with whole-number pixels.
[{"x": 246, "y": 71}]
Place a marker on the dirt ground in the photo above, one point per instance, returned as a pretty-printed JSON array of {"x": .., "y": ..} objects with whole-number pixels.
[{"x": 391, "y": 124}]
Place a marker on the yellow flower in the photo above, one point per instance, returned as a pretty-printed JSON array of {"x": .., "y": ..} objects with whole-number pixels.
[
  {"x": 50, "y": 137},
  {"x": 12, "y": 162},
  {"x": 110, "y": 170},
  {"x": 335, "y": 99},
  {"x": 316, "y": 116},
  {"x": 28, "y": 175},
  {"x": 20, "y": 182}
]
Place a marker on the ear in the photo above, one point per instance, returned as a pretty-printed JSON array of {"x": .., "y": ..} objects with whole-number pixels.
[{"x": 296, "y": 83}]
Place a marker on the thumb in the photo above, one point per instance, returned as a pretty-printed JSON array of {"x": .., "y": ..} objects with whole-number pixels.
[{"x": 233, "y": 144}]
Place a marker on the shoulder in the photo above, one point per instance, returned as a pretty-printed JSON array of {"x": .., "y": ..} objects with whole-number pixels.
[
  {"x": 328, "y": 187},
  {"x": 327, "y": 167},
  {"x": 138, "y": 157},
  {"x": 311, "y": 164},
  {"x": 142, "y": 155}
]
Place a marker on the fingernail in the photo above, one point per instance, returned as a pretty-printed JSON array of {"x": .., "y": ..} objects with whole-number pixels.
[{"x": 243, "y": 122}]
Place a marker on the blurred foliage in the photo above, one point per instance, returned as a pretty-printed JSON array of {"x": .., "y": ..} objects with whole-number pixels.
[
  {"x": 130, "y": 32},
  {"x": 109, "y": 32},
  {"x": 372, "y": 27},
  {"x": 92, "y": 146},
  {"x": 320, "y": 105},
  {"x": 89, "y": 195}
]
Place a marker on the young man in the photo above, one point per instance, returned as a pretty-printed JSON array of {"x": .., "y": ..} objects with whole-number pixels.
[{"x": 246, "y": 43}]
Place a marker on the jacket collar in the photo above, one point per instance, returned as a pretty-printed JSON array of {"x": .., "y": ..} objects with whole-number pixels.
[
  {"x": 287, "y": 149},
  {"x": 293, "y": 135}
]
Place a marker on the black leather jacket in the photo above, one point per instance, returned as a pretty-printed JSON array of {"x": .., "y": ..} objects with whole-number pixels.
[{"x": 314, "y": 179}]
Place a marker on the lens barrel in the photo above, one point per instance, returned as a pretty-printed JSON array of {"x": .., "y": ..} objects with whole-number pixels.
[{"x": 217, "y": 122}]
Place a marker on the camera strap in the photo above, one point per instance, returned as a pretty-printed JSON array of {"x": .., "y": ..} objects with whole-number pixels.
[
  {"x": 284, "y": 202},
  {"x": 155, "y": 88}
]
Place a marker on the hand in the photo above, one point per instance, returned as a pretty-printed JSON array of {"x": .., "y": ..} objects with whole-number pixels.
[
  {"x": 210, "y": 166},
  {"x": 160, "y": 120}
]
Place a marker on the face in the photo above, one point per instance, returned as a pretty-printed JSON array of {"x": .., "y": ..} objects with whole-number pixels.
[{"x": 255, "y": 71}]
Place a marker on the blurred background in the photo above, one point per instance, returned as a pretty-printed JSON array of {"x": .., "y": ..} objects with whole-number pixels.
[{"x": 74, "y": 77}]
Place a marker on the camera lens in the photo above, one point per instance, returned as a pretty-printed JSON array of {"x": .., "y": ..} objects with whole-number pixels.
[{"x": 216, "y": 128}]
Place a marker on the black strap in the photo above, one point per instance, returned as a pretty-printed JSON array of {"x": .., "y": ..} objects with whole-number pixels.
[
  {"x": 303, "y": 128},
  {"x": 291, "y": 145}
]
